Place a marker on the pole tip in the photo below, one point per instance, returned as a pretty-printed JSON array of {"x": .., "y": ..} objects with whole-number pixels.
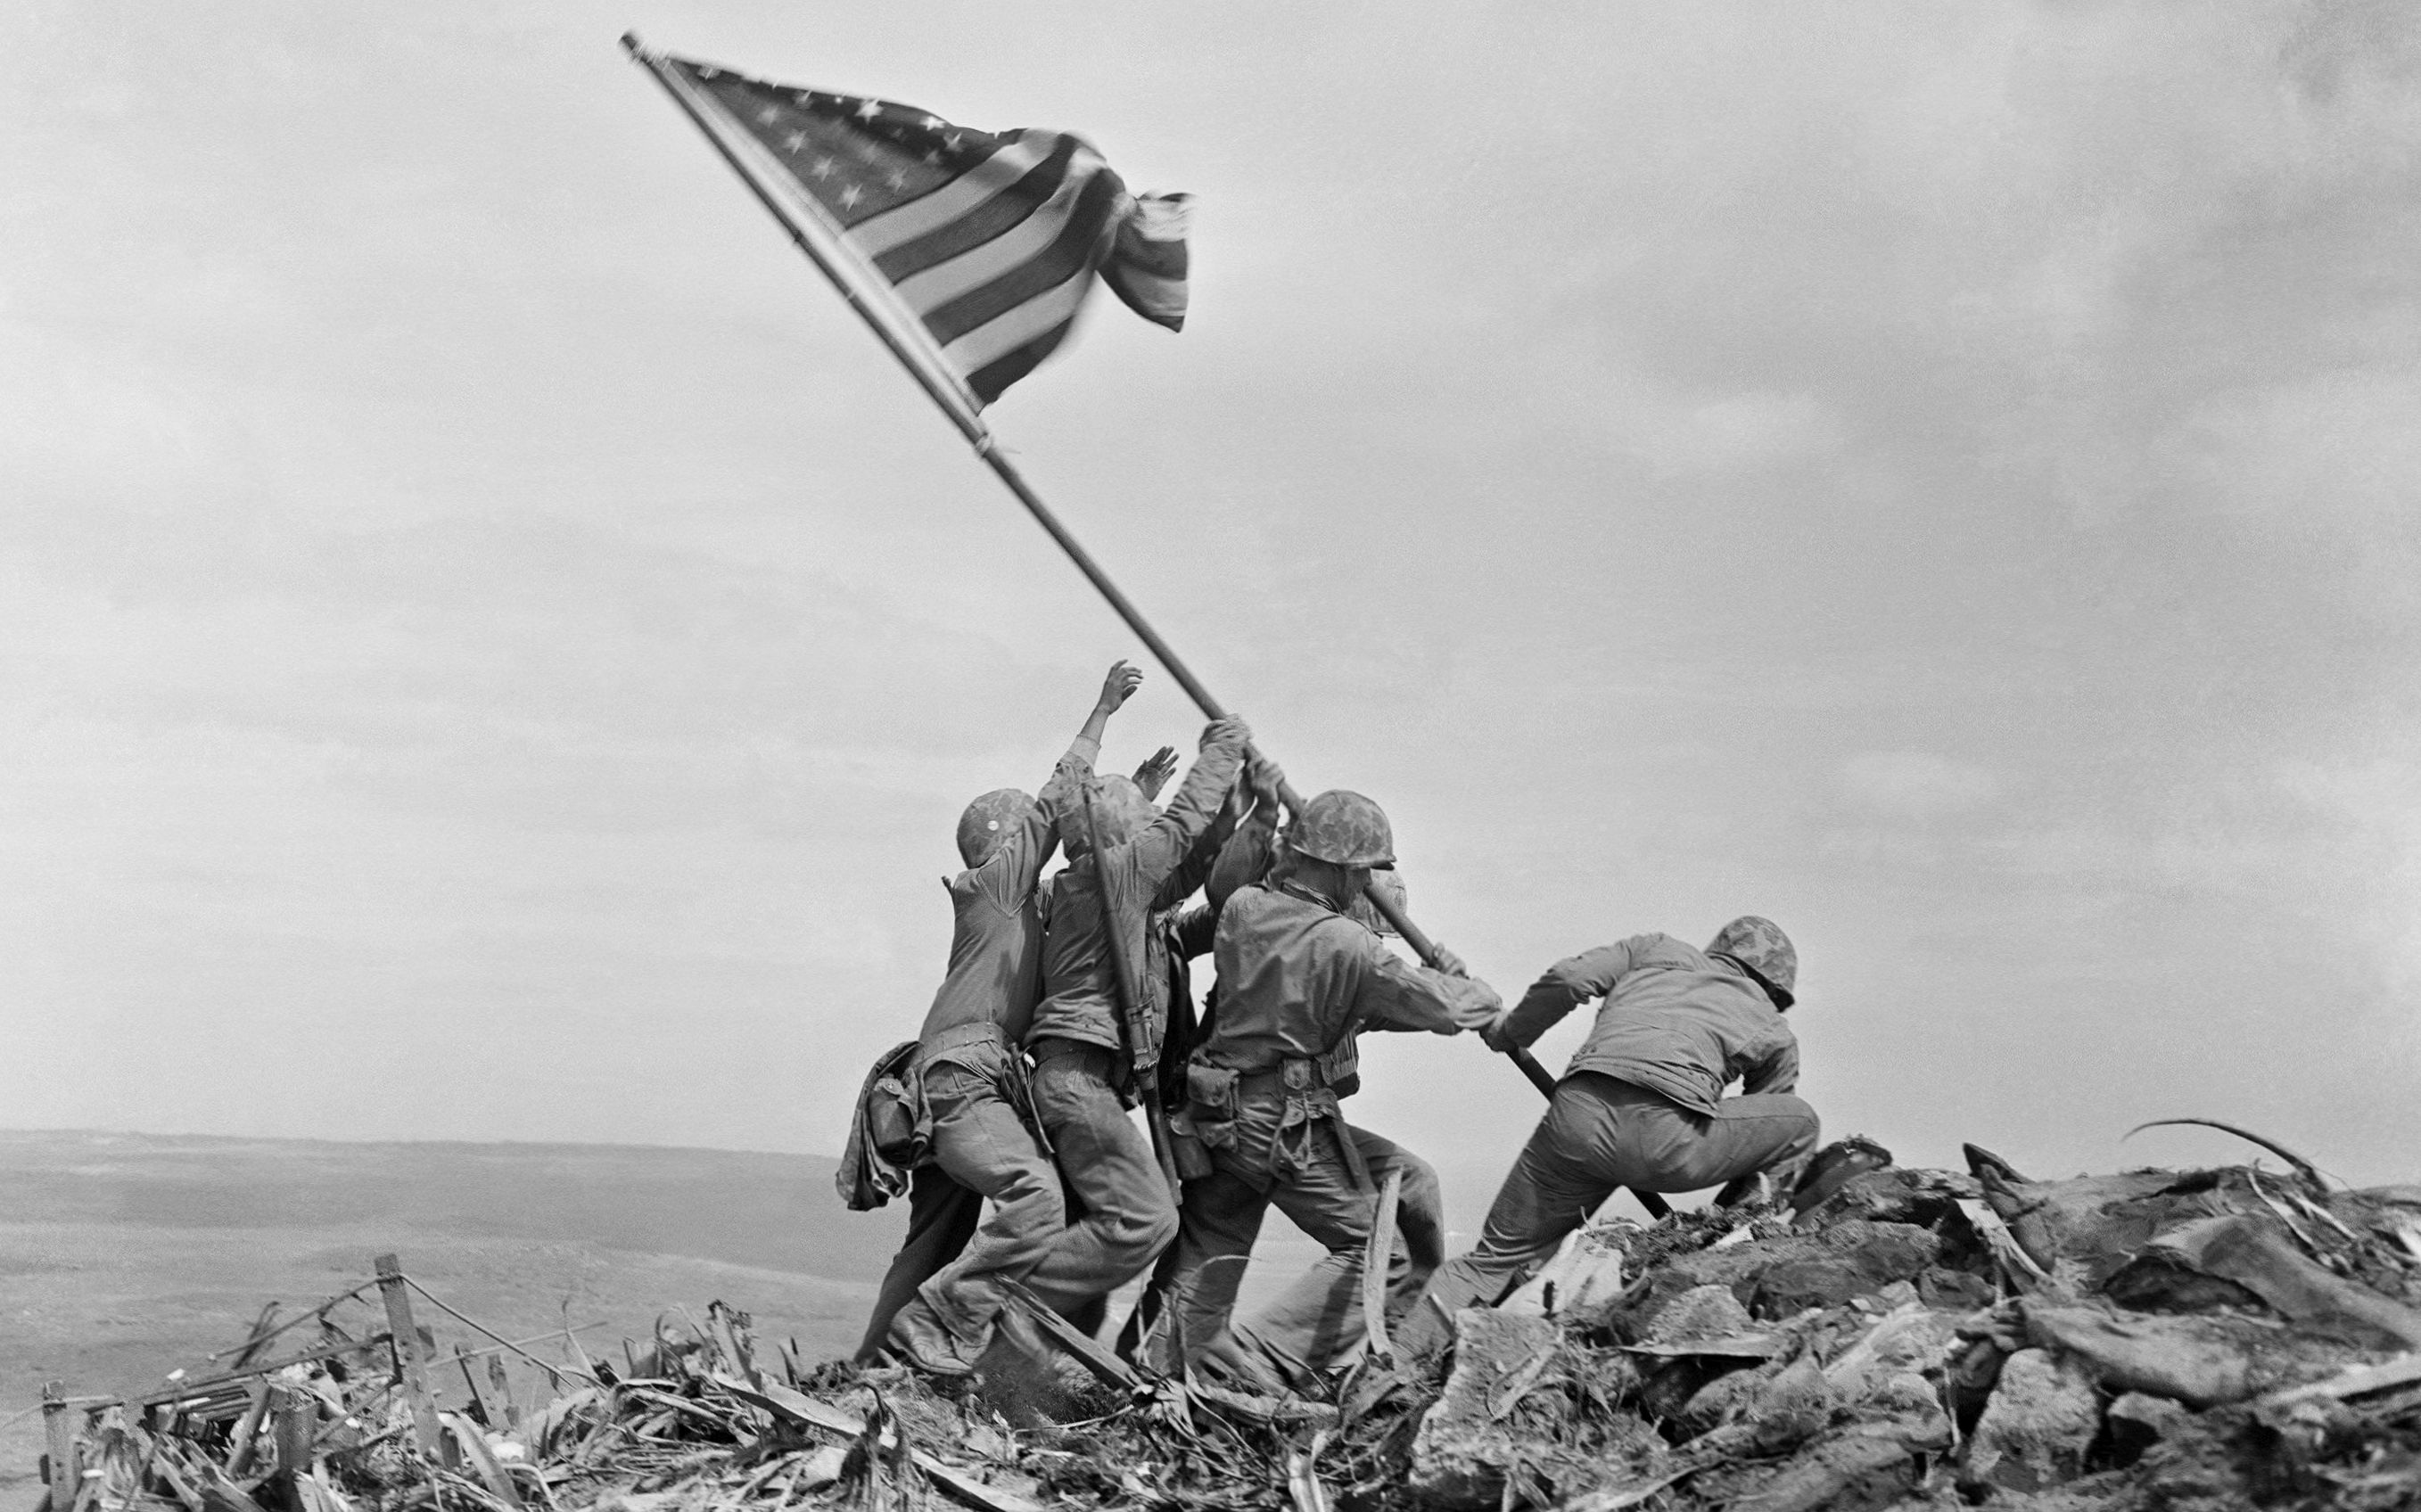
[{"x": 632, "y": 44}]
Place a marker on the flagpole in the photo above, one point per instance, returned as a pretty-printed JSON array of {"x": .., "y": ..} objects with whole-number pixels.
[{"x": 979, "y": 436}]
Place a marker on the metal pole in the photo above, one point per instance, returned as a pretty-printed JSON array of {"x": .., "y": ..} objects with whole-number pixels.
[{"x": 980, "y": 438}]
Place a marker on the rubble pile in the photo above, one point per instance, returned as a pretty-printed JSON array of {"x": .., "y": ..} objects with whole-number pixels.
[{"x": 1887, "y": 1337}]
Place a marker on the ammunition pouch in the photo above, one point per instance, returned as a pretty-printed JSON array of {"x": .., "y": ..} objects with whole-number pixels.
[
  {"x": 1212, "y": 1104},
  {"x": 1187, "y": 1148}
]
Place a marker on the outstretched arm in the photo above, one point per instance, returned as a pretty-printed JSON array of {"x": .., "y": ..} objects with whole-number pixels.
[
  {"x": 1117, "y": 688},
  {"x": 1567, "y": 985},
  {"x": 1164, "y": 846},
  {"x": 1069, "y": 777},
  {"x": 1395, "y": 994}
]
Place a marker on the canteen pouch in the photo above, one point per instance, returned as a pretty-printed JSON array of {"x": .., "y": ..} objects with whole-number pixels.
[
  {"x": 1186, "y": 1148},
  {"x": 1210, "y": 1105}
]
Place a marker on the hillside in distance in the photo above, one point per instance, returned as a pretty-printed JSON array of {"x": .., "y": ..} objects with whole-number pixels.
[{"x": 123, "y": 1256}]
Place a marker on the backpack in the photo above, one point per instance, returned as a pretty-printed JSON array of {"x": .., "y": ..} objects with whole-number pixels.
[{"x": 890, "y": 1133}]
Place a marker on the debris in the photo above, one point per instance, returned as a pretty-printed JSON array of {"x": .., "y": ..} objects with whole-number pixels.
[
  {"x": 2035, "y": 1428},
  {"x": 2148, "y": 1339},
  {"x": 1582, "y": 1285},
  {"x": 2246, "y": 1252},
  {"x": 2303, "y": 1168},
  {"x": 1462, "y": 1454}
]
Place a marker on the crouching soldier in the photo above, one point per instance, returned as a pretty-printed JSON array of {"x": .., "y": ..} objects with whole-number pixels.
[
  {"x": 1642, "y": 1105},
  {"x": 1088, "y": 1053},
  {"x": 1299, "y": 978},
  {"x": 936, "y": 1311}
]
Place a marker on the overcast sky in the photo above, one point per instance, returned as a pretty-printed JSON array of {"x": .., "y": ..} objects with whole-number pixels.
[{"x": 493, "y": 651}]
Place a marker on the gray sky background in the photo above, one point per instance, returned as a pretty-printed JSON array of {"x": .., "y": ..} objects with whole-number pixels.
[{"x": 495, "y": 652}]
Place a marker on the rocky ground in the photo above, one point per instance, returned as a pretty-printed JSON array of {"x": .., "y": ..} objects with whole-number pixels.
[{"x": 1885, "y": 1337}]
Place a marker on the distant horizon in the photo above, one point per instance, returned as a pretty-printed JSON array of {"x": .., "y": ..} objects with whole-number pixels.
[
  {"x": 498, "y": 652},
  {"x": 6, "y": 1130}
]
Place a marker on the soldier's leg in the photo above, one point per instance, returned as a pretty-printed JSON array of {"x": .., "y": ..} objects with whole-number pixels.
[
  {"x": 1193, "y": 1293},
  {"x": 1129, "y": 1214},
  {"x": 1319, "y": 1318},
  {"x": 942, "y": 1217},
  {"x": 981, "y": 1142},
  {"x": 1677, "y": 1151},
  {"x": 1571, "y": 1166}
]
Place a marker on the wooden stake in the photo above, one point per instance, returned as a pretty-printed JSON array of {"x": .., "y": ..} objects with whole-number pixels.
[
  {"x": 500, "y": 1382},
  {"x": 478, "y": 1409},
  {"x": 247, "y": 1431},
  {"x": 1377, "y": 1256},
  {"x": 408, "y": 1353},
  {"x": 298, "y": 1418},
  {"x": 59, "y": 1431}
]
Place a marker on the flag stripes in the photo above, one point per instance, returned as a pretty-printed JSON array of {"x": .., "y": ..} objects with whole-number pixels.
[{"x": 986, "y": 245}]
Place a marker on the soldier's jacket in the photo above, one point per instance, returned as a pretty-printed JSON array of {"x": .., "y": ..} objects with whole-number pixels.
[
  {"x": 1154, "y": 871},
  {"x": 996, "y": 969},
  {"x": 1298, "y": 980},
  {"x": 1675, "y": 1020}
]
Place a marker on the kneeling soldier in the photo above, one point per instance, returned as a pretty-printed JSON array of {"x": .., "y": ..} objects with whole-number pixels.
[{"x": 1642, "y": 1105}]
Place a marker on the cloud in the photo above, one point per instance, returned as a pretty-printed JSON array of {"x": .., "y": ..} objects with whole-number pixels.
[
  {"x": 2375, "y": 807},
  {"x": 1917, "y": 784},
  {"x": 1738, "y": 430}
]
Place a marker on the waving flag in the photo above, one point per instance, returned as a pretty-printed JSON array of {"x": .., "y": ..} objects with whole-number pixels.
[{"x": 971, "y": 251}]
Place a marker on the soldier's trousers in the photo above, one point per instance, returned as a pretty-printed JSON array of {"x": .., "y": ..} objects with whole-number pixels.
[
  {"x": 981, "y": 1142},
  {"x": 1126, "y": 1214},
  {"x": 1302, "y": 1170},
  {"x": 942, "y": 1218},
  {"x": 1601, "y": 1134}
]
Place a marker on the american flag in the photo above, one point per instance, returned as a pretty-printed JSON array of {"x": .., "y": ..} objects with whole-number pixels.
[{"x": 983, "y": 245}]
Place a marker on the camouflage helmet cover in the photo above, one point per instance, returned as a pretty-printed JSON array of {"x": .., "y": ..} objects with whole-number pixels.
[
  {"x": 1118, "y": 805},
  {"x": 1343, "y": 828},
  {"x": 987, "y": 821},
  {"x": 1761, "y": 945}
]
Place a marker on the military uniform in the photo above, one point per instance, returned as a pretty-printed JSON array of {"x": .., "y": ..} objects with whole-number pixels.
[
  {"x": 1084, "y": 1069},
  {"x": 1640, "y": 1106},
  {"x": 1298, "y": 980},
  {"x": 973, "y": 1079}
]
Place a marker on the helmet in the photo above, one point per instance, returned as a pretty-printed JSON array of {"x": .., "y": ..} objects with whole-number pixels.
[
  {"x": 1366, "y": 913},
  {"x": 1343, "y": 828},
  {"x": 1118, "y": 805},
  {"x": 987, "y": 822},
  {"x": 1763, "y": 951}
]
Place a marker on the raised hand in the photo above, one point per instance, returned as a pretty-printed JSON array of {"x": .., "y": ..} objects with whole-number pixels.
[
  {"x": 1119, "y": 686},
  {"x": 1155, "y": 772}
]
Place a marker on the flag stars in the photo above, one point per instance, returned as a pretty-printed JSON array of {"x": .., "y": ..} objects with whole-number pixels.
[
  {"x": 768, "y": 116},
  {"x": 869, "y": 111},
  {"x": 897, "y": 178},
  {"x": 823, "y": 169},
  {"x": 795, "y": 141},
  {"x": 850, "y": 195},
  {"x": 932, "y": 123}
]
